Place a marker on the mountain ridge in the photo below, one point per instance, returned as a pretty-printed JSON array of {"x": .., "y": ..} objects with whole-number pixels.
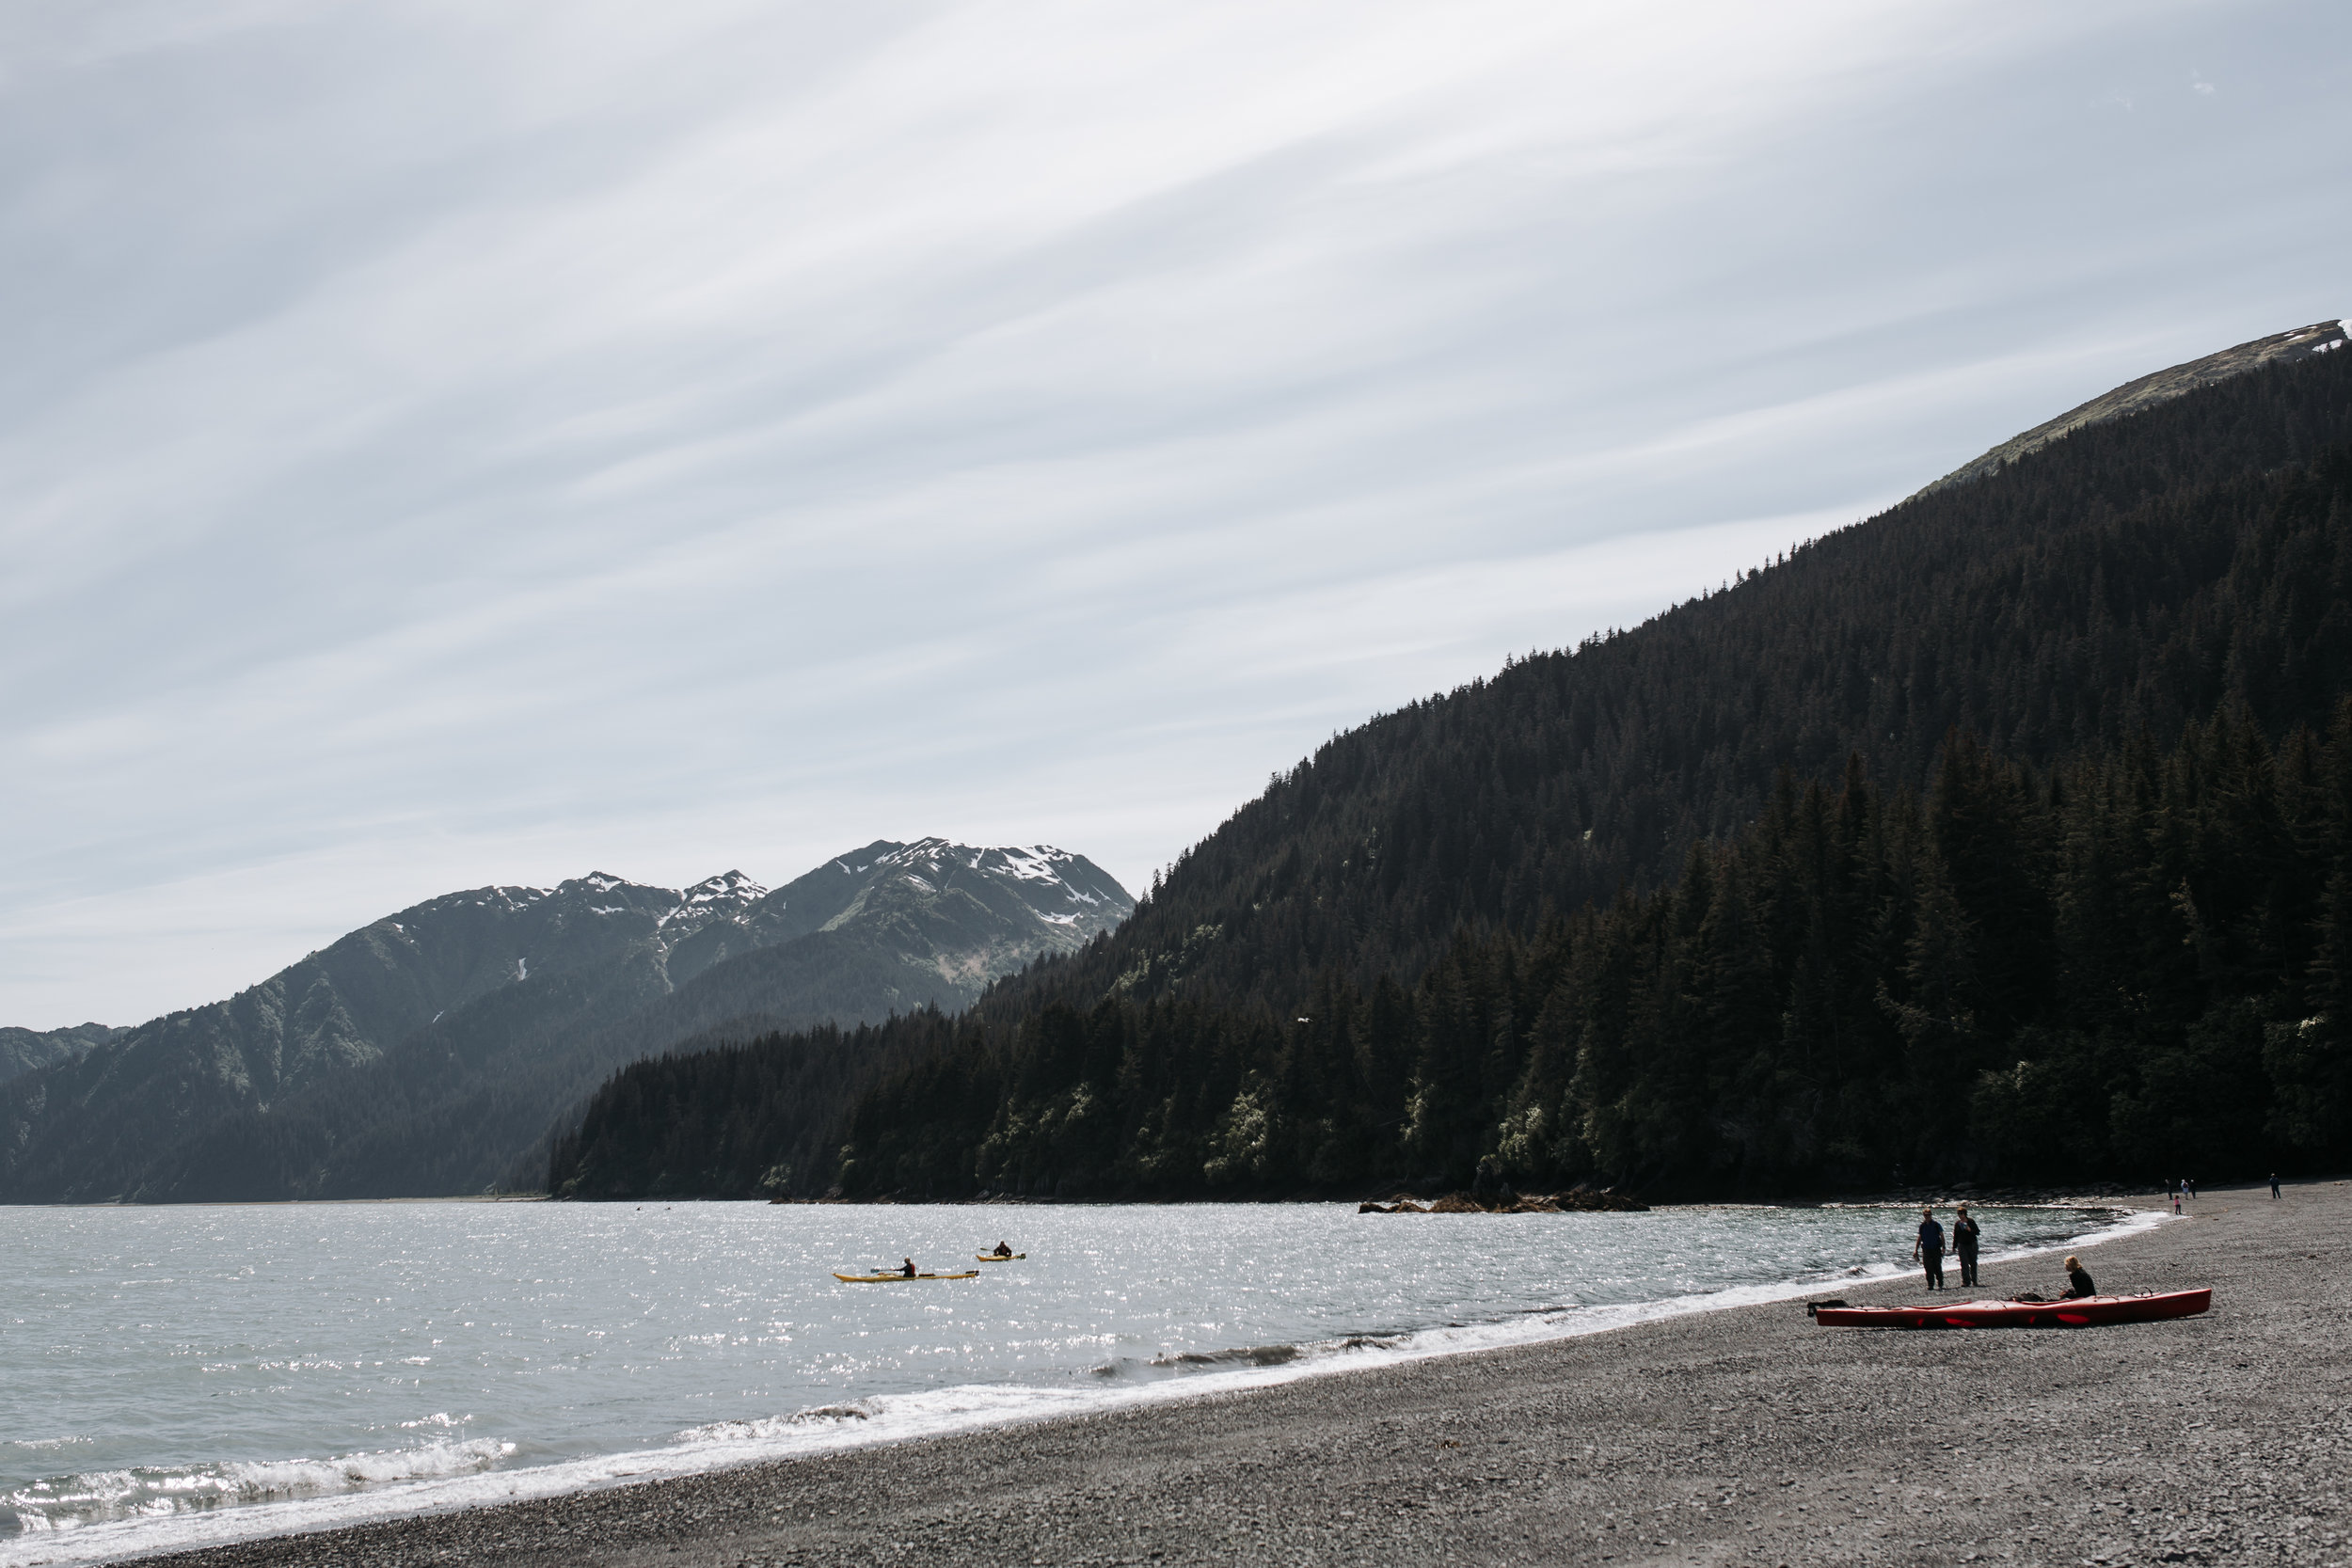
[
  {"x": 481, "y": 1009},
  {"x": 24, "y": 1050},
  {"x": 1347, "y": 980},
  {"x": 2148, "y": 391}
]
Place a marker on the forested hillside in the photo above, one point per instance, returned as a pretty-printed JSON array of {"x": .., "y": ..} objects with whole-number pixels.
[
  {"x": 2129, "y": 577},
  {"x": 2137, "y": 964},
  {"x": 1467, "y": 929},
  {"x": 24, "y": 1050}
]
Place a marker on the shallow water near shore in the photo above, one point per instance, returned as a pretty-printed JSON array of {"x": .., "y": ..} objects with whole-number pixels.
[{"x": 180, "y": 1376}]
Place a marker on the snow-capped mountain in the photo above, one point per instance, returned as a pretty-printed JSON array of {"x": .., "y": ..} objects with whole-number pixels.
[
  {"x": 1003, "y": 906},
  {"x": 421, "y": 1053}
]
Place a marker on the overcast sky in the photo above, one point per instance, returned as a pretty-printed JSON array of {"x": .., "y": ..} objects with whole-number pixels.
[{"x": 452, "y": 444}]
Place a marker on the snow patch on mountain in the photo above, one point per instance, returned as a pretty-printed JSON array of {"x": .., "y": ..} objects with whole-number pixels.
[{"x": 727, "y": 889}]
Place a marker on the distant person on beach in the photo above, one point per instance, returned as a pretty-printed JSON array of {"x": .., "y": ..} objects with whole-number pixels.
[
  {"x": 2274, "y": 1184},
  {"x": 2078, "y": 1283},
  {"x": 2190, "y": 1182},
  {"x": 2176, "y": 1200},
  {"x": 1928, "y": 1249},
  {"x": 1964, "y": 1235}
]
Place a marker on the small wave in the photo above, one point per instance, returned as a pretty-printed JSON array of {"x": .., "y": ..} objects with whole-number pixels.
[
  {"x": 759, "y": 1427},
  {"x": 1238, "y": 1357},
  {"x": 439, "y": 1418},
  {"x": 97, "y": 1496},
  {"x": 1253, "y": 1355}
]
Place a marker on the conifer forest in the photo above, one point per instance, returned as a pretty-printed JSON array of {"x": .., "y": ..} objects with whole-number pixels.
[{"x": 2006, "y": 836}]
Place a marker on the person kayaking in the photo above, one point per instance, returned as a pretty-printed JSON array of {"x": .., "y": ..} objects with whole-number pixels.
[
  {"x": 2078, "y": 1283},
  {"x": 1964, "y": 1235},
  {"x": 907, "y": 1268},
  {"x": 1003, "y": 1249},
  {"x": 1929, "y": 1248}
]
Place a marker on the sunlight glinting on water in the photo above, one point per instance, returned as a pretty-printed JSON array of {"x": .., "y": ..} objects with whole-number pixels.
[{"x": 176, "y": 1375}]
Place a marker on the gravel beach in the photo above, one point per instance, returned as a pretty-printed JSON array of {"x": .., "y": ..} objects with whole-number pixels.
[{"x": 1741, "y": 1436}]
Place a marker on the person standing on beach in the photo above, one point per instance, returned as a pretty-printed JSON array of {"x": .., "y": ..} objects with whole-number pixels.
[
  {"x": 2274, "y": 1186},
  {"x": 1964, "y": 1243},
  {"x": 1929, "y": 1248},
  {"x": 2176, "y": 1200}
]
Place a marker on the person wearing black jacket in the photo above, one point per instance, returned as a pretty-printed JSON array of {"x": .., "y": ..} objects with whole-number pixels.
[
  {"x": 1929, "y": 1248},
  {"x": 1964, "y": 1235},
  {"x": 2078, "y": 1283}
]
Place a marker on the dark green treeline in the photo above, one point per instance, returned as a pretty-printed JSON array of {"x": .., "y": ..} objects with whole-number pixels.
[
  {"x": 2127, "y": 964},
  {"x": 2133, "y": 577},
  {"x": 1412, "y": 890}
]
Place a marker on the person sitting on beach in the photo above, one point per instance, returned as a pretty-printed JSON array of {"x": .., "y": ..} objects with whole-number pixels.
[
  {"x": 2078, "y": 1283},
  {"x": 907, "y": 1268},
  {"x": 1929, "y": 1248},
  {"x": 1003, "y": 1249}
]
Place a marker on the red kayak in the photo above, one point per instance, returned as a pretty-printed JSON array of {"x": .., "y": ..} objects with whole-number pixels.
[{"x": 2019, "y": 1314}]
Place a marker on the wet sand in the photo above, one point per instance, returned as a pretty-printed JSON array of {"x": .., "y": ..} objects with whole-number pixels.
[{"x": 1742, "y": 1436}]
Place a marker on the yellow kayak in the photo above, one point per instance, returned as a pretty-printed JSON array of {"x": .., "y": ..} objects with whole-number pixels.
[
  {"x": 998, "y": 1257},
  {"x": 887, "y": 1278}
]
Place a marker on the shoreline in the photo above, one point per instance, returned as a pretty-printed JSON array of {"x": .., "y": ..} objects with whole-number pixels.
[
  {"x": 2105, "y": 1194},
  {"x": 1331, "y": 1407}
]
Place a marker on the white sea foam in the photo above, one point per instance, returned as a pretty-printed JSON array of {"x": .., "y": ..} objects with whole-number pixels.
[{"x": 79, "y": 1509}]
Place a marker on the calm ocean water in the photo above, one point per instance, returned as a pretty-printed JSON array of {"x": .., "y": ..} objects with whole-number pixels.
[{"x": 183, "y": 1375}]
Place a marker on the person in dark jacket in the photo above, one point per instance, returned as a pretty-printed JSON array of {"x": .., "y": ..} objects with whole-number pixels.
[
  {"x": 1964, "y": 1235},
  {"x": 2274, "y": 1183},
  {"x": 2078, "y": 1283},
  {"x": 1928, "y": 1249}
]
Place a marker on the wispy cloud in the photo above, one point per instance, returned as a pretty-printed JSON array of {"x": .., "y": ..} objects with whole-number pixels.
[{"x": 446, "y": 445}]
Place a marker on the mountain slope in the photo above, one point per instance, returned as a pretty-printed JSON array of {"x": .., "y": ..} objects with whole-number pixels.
[
  {"x": 2123, "y": 582},
  {"x": 972, "y": 901},
  {"x": 2111, "y": 583},
  {"x": 23, "y": 1050},
  {"x": 2157, "y": 387},
  {"x": 425, "y": 1053}
]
